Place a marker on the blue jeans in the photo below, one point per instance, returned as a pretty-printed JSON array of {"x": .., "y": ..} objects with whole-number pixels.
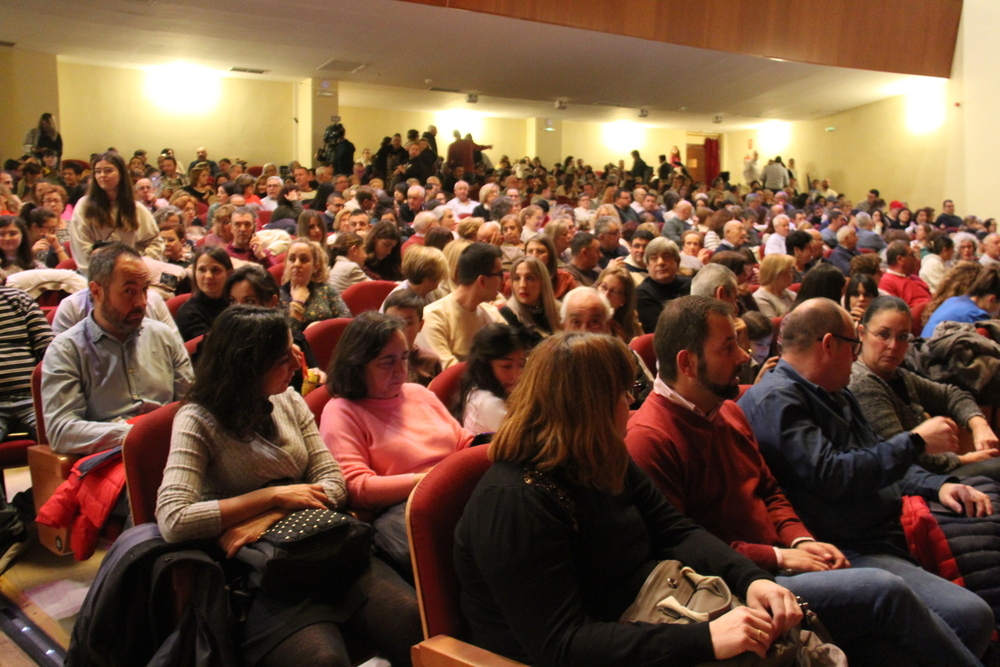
[{"x": 933, "y": 620}]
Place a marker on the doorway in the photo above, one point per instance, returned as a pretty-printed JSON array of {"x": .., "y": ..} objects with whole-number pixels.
[{"x": 695, "y": 161}]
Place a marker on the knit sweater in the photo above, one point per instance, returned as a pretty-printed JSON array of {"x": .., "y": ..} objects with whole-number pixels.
[
  {"x": 888, "y": 414},
  {"x": 449, "y": 328},
  {"x": 381, "y": 443},
  {"x": 712, "y": 471},
  {"x": 206, "y": 464}
]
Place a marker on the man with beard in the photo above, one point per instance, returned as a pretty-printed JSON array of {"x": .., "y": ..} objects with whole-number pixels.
[
  {"x": 114, "y": 365},
  {"x": 699, "y": 450}
]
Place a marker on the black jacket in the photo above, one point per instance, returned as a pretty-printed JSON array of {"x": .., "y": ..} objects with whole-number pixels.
[{"x": 127, "y": 616}]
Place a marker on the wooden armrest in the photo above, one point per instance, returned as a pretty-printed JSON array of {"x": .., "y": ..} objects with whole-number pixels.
[{"x": 445, "y": 651}]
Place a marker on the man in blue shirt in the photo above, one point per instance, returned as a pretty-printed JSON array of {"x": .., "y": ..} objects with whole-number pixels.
[
  {"x": 113, "y": 365},
  {"x": 845, "y": 483}
]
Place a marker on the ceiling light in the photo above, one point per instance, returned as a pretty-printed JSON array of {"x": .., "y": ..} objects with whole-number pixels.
[
  {"x": 562, "y": 105},
  {"x": 248, "y": 70},
  {"x": 472, "y": 98},
  {"x": 549, "y": 126},
  {"x": 643, "y": 112}
]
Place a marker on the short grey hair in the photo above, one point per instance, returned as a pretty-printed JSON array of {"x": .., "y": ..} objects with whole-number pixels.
[
  {"x": 422, "y": 220},
  {"x": 864, "y": 221},
  {"x": 843, "y": 233},
  {"x": 415, "y": 190},
  {"x": 604, "y": 224},
  {"x": 659, "y": 246},
  {"x": 576, "y": 294},
  {"x": 712, "y": 276}
]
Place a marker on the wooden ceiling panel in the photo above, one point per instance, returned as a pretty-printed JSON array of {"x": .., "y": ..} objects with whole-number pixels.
[{"x": 901, "y": 36}]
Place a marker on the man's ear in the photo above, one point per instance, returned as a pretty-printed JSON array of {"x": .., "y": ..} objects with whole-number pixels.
[
  {"x": 687, "y": 364},
  {"x": 96, "y": 290}
]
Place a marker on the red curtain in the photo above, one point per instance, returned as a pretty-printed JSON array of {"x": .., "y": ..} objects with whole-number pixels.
[{"x": 711, "y": 160}]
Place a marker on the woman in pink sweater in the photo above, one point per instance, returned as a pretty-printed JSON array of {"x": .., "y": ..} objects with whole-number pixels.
[{"x": 386, "y": 433}]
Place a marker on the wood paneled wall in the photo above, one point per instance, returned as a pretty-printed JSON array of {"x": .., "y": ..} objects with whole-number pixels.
[{"x": 902, "y": 36}]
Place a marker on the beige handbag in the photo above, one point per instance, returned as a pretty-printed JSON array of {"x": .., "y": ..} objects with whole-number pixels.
[{"x": 675, "y": 593}]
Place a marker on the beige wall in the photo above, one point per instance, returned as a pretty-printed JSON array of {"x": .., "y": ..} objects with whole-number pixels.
[
  {"x": 600, "y": 143},
  {"x": 128, "y": 109},
  {"x": 873, "y": 146},
  {"x": 28, "y": 82}
]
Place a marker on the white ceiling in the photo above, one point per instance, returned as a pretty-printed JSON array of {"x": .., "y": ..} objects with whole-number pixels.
[{"x": 519, "y": 68}]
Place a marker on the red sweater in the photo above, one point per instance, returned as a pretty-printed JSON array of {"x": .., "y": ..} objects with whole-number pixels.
[
  {"x": 911, "y": 289},
  {"x": 713, "y": 472}
]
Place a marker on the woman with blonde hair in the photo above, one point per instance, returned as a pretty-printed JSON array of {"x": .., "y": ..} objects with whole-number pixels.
[
  {"x": 108, "y": 212},
  {"x": 304, "y": 290},
  {"x": 617, "y": 285},
  {"x": 777, "y": 272},
  {"x": 487, "y": 194},
  {"x": 531, "y": 308},
  {"x": 452, "y": 251},
  {"x": 561, "y": 231},
  {"x": 556, "y": 540},
  {"x": 540, "y": 246}
]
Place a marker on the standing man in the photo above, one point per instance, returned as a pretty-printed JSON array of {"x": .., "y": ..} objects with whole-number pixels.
[{"x": 775, "y": 176}]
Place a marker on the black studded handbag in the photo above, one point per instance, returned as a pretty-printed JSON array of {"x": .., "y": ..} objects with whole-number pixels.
[{"x": 309, "y": 553}]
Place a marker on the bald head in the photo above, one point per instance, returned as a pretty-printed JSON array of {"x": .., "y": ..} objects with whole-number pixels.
[
  {"x": 819, "y": 341},
  {"x": 487, "y": 231},
  {"x": 810, "y": 321}
]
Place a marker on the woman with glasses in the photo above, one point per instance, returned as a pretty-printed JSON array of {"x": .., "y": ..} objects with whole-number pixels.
[
  {"x": 385, "y": 432},
  {"x": 531, "y": 308},
  {"x": 615, "y": 283},
  {"x": 894, "y": 399}
]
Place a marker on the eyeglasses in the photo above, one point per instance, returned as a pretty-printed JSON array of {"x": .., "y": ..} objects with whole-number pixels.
[
  {"x": 856, "y": 342},
  {"x": 493, "y": 275},
  {"x": 903, "y": 338},
  {"x": 604, "y": 289}
]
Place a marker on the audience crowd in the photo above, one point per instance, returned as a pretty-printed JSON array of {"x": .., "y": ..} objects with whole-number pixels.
[{"x": 601, "y": 321}]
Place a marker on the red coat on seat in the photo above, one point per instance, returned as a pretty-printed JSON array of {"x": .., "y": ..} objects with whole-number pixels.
[{"x": 84, "y": 501}]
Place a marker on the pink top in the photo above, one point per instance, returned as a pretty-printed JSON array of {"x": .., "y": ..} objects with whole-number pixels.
[{"x": 381, "y": 443}]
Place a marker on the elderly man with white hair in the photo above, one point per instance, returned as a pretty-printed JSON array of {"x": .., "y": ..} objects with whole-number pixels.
[
  {"x": 775, "y": 244},
  {"x": 460, "y": 203},
  {"x": 846, "y": 250},
  {"x": 422, "y": 224},
  {"x": 414, "y": 204},
  {"x": 273, "y": 188},
  {"x": 587, "y": 310},
  {"x": 734, "y": 236}
]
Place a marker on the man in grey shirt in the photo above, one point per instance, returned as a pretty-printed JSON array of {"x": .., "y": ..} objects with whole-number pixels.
[
  {"x": 113, "y": 365},
  {"x": 775, "y": 176}
]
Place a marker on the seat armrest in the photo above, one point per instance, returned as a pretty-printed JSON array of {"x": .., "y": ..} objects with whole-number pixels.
[{"x": 445, "y": 651}]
